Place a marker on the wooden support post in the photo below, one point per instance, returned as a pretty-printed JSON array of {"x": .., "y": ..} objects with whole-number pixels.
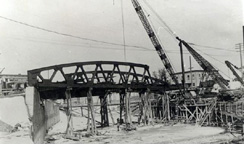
[
  {"x": 146, "y": 107},
  {"x": 209, "y": 112},
  {"x": 168, "y": 109},
  {"x": 242, "y": 129},
  {"x": 111, "y": 115},
  {"x": 143, "y": 109},
  {"x": 88, "y": 118},
  {"x": 197, "y": 114},
  {"x": 121, "y": 107},
  {"x": 242, "y": 108},
  {"x": 163, "y": 106},
  {"x": 237, "y": 106},
  {"x": 226, "y": 118},
  {"x": 176, "y": 111},
  {"x": 91, "y": 121},
  {"x": 81, "y": 110},
  {"x": 150, "y": 107},
  {"x": 69, "y": 128},
  {"x": 216, "y": 118},
  {"x": 232, "y": 119},
  {"x": 38, "y": 121},
  {"x": 221, "y": 113},
  {"x": 104, "y": 111},
  {"x": 140, "y": 108},
  {"x": 187, "y": 118},
  {"x": 127, "y": 109}
]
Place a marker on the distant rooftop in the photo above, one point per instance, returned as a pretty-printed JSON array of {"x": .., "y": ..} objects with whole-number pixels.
[{"x": 12, "y": 75}]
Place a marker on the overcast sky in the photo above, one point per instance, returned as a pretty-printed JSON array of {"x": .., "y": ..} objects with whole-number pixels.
[{"x": 216, "y": 23}]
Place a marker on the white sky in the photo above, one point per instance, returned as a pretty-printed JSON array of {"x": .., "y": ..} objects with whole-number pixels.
[{"x": 215, "y": 23}]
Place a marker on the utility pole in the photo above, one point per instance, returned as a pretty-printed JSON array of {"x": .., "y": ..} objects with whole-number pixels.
[
  {"x": 243, "y": 38},
  {"x": 239, "y": 46}
]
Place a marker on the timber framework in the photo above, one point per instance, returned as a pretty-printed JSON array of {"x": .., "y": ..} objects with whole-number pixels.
[{"x": 87, "y": 79}]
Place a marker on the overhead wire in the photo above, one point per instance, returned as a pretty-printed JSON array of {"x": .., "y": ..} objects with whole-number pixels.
[
  {"x": 123, "y": 26},
  {"x": 69, "y": 35},
  {"x": 105, "y": 42},
  {"x": 77, "y": 45},
  {"x": 172, "y": 33},
  {"x": 210, "y": 47},
  {"x": 87, "y": 39},
  {"x": 85, "y": 45}
]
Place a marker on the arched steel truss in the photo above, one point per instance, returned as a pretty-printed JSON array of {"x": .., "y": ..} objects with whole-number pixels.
[{"x": 101, "y": 76}]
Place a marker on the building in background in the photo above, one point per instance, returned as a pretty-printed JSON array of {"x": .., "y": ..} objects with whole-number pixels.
[
  {"x": 12, "y": 84},
  {"x": 192, "y": 78}
]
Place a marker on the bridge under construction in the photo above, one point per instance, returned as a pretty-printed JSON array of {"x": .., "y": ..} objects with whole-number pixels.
[{"x": 157, "y": 99}]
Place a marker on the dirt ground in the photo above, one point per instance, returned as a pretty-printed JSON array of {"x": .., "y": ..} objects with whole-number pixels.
[{"x": 158, "y": 134}]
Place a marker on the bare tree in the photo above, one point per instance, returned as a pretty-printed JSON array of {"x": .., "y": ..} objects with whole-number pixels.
[{"x": 161, "y": 74}]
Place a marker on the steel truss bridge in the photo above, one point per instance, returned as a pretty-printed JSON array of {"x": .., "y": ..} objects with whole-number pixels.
[
  {"x": 87, "y": 79},
  {"x": 100, "y": 75}
]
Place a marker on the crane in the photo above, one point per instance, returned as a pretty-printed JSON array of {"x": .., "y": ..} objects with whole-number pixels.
[
  {"x": 155, "y": 41},
  {"x": 229, "y": 64},
  {"x": 206, "y": 66}
]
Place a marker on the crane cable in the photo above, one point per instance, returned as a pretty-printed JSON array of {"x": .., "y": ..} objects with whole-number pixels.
[
  {"x": 171, "y": 32},
  {"x": 215, "y": 60}
]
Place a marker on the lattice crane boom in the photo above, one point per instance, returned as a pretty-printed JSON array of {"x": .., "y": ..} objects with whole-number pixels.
[
  {"x": 206, "y": 66},
  {"x": 155, "y": 41},
  {"x": 229, "y": 64}
]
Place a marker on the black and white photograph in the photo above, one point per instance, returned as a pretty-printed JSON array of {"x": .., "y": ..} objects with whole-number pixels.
[{"x": 122, "y": 72}]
